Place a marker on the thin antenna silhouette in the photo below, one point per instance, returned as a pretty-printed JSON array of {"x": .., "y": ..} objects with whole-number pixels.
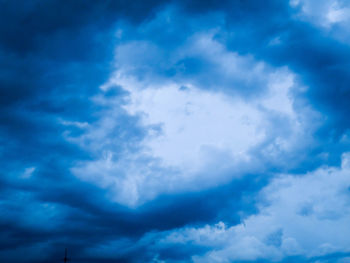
[{"x": 65, "y": 257}]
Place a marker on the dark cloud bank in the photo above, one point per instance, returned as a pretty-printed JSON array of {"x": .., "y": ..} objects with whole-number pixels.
[{"x": 55, "y": 54}]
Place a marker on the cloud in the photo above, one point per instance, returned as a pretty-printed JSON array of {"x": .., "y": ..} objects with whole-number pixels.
[
  {"x": 193, "y": 138},
  {"x": 331, "y": 17},
  {"x": 143, "y": 131},
  {"x": 299, "y": 215},
  {"x": 323, "y": 13}
]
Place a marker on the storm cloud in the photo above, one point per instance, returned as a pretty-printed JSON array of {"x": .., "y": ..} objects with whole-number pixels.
[{"x": 174, "y": 131}]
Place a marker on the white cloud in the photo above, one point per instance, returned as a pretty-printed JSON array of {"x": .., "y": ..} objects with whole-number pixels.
[
  {"x": 28, "y": 172},
  {"x": 323, "y": 12},
  {"x": 196, "y": 138},
  {"x": 195, "y": 122},
  {"x": 333, "y": 16},
  {"x": 306, "y": 215}
]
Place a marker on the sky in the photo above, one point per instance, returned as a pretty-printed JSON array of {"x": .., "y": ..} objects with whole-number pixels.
[{"x": 175, "y": 131}]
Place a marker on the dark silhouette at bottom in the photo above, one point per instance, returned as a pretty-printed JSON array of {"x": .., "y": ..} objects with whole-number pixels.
[{"x": 65, "y": 257}]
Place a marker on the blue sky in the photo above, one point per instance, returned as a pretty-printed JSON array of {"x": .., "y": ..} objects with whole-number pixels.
[{"x": 175, "y": 131}]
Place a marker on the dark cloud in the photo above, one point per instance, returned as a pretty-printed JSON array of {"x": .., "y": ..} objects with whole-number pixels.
[
  {"x": 55, "y": 54},
  {"x": 320, "y": 61},
  {"x": 35, "y": 21}
]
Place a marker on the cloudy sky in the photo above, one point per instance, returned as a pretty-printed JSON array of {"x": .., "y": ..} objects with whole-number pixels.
[{"x": 175, "y": 131}]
